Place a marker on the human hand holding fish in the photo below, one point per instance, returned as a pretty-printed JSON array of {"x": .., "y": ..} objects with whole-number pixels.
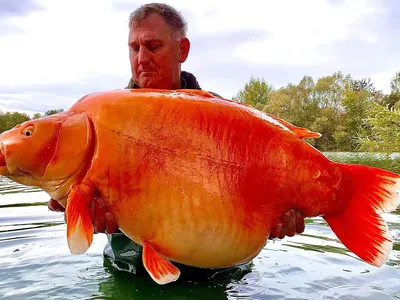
[
  {"x": 194, "y": 179},
  {"x": 290, "y": 223},
  {"x": 103, "y": 221}
]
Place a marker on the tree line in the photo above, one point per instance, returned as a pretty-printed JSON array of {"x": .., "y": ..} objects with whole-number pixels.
[
  {"x": 9, "y": 119},
  {"x": 351, "y": 114}
]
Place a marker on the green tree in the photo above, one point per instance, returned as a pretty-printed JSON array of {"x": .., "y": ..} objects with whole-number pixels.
[
  {"x": 395, "y": 84},
  {"x": 53, "y": 111},
  {"x": 364, "y": 84},
  {"x": 255, "y": 93},
  {"x": 393, "y": 99},
  {"x": 9, "y": 119},
  {"x": 356, "y": 103},
  {"x": 280, "y": 104},
  {"x": 337, "y": 106},
  {"x": 330, "y": 90},
  {"x": 384, "y": 129}
]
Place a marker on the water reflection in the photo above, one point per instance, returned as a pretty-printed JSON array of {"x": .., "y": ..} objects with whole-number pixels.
[
  {"x": 121, "y": 285},
  {"x": 35, "y": 263}
]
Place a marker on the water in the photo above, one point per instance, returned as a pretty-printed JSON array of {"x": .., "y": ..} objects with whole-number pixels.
[{"x": 35, "y": 262}]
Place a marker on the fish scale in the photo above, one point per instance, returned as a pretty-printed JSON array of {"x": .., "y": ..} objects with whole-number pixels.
[{"x": 194, "y": 178}]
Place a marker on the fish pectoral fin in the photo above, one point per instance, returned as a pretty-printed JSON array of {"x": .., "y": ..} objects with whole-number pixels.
[
  {"x": 79, "y": 224},
  {"x": 160, "y": 269}
]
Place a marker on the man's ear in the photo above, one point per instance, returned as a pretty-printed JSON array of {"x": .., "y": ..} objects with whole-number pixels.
[{"x": 184, "y": 46}]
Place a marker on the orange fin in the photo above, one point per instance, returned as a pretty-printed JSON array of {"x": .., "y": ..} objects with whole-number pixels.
[
  {"x": 160, "y": 269},
  {"x": 360, "y": 227},
  {"x": 79, "y": 224},
  {"x": 193, "y": 92},
  {"x": 299, "y": 131}
]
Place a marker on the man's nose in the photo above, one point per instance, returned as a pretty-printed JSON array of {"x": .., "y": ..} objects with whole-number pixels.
[{"x": 144, "y": 55}]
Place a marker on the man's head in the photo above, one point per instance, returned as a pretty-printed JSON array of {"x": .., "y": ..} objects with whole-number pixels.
[{"x": 157, "y": 46}]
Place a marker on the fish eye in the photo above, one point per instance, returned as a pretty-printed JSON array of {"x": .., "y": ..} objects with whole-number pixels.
[{"x": 28, "y": 130}]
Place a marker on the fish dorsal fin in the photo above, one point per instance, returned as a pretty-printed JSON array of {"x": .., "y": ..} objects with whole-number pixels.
[
  {"x": 301, "y": 132},
  {"x": 195, "y": 92}
]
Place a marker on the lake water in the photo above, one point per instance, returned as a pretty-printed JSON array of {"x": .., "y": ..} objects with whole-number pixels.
[{"x": 35, "y": 262}]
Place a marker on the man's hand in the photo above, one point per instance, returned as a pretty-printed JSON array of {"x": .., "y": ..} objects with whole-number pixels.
[
  {"x": 290, "y": 223},
  {"x": 55, "y": 206},
  {"x": 103, "y": 221}
]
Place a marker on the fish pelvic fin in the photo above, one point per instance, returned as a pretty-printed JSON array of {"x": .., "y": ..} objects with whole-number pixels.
[
  {"x": 160, "y": 269},
  {"x": 360, "y": 227},
  {"x": 79, "y": 224}
]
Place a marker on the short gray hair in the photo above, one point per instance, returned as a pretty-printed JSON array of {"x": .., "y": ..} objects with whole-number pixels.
[{"x": 171, "y": 16}]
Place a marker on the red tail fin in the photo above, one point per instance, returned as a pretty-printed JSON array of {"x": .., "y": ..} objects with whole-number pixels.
[{"x": 359, "y": 227}]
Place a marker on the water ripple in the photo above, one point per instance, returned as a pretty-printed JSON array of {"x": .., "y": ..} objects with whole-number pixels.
[{"x": 354, "y": 292}]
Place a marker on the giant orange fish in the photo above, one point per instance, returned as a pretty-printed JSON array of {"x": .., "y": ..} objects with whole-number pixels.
[{"x": 193, "y": 178}]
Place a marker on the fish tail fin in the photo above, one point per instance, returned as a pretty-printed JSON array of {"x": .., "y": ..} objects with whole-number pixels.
[
  {"x": 360, "y": 227},
  {"x": 79, "y": 224}
]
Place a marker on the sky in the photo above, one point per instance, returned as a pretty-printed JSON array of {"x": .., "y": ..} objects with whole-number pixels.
[{"x": 53, "y": 52}]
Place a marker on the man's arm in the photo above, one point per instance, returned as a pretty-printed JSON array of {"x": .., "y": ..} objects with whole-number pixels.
[{"x": 290, "y": 223}]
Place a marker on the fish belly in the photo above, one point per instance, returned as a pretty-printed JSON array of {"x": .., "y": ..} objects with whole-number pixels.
[
  {"x": 192, "y": 209},
  {"x": 193, "y": 227}
]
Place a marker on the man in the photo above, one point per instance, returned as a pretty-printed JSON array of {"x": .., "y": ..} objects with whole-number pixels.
[{"x": 158, "y": 45}]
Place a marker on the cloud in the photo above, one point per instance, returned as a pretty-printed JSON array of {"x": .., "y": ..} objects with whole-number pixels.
[
  {"x": 357, "y": 38},
  {"x": 18, "y": 8},
  {"x": 393, "y": 14},
  {"x": 124, "y": 6},
  {"x": 43, "y": 97},
  {"x": 11, "y": 10},
  {"x": 7, "y": 28},
  {"x": 56, "y": 51}
]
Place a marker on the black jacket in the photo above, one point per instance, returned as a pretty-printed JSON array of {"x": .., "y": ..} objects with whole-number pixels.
[{"x": 188, "y": 81}]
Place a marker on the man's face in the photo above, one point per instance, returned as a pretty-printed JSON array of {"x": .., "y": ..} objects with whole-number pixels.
[{"x": 154, "y": 55}]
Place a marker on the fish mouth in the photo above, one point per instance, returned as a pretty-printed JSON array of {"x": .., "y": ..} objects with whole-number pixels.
[
  {"x": 3, "y": 162},
  {"x": 4, "y": 171},
  {"x": 10, "y": 170}
]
